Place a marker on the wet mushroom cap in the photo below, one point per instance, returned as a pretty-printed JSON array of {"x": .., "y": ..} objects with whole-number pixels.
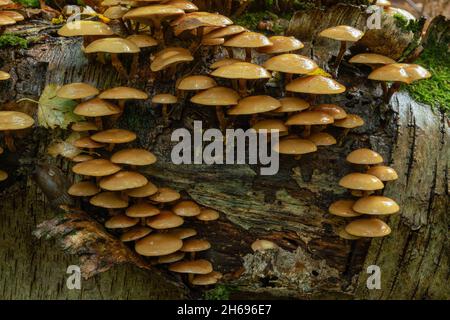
[
  {"x": 6, "y": 21},
  {"x": 3, "y": 175},
  {"x": 123, "y": 180},
  {"x": 206, "y": 279},
  {"x": 185, "y": 5},
  {"x": 261, "y": 245},
  {"x": 84, "y": 126},
  {"x": 134, "y": 157},
  {"x": 112, "y": 45},
  {"x": 12, "y": 14},
  {"x": 158, "y": 244},
  {"x": 142, "y": 40},
  {"x": 376, "y": 205},
  {"x": 343, "y": 208},
  {"x": 164, "y": 98},
  {"x": 316, "y": 85},
  {"x": 224, "y": 62},
  {"x": 248, "y": 40},
  {"x": 109, "y": 200},
  {"x": 135, "y": 233},
  {"x": 145, "y": 191},
  {"x": 114, "y": 136},
  {"x": 83, "y": 189},
  {"x": 122, "y": 93},
  {"x": 217, "y": 96},
  {"x": 295, "y": 146},
  {"x": 87, "y": 142},
  {"x": 169, "y": 57},
  {"x": 368, "y": 228},
  {"x": 153, "y": 11},
  {"x": 96, "y": 168},
  {"x": 171, "y": 258},
  {"x": 165, "y": 220},
  {"x": 291, "y": 63},
  {"x": 225, "y": 32},
  {"x": 400, "y": 72},
  {"x": 14, "y": 120},
  {"x": 76, "y": 91},
  {"x": 361, "y": 181},
  {"x": 196, "y": 83},
  {"x": 165, "y": 195},
  {"x": 282, "y": 44},
  {"x": 241, "y": 70},
  {"x": 364, "y": 156},
  {"x": 347, "y": 236},
  {"x": 195, "y": 245},
  {"x": 96, "y": 108},
  {"x": 183, "y": 233},
  {"x": 271, "y": 125},
  {"x": 120, "y": 222},
  {"x": 342, "y": 33},
  {"x": 115, "y": 12},
  {"x": 195, "y": 20},
  {"x": 186, "y": 208},
  {"x": 207, "y": 214},
  {"x": 333, "y": 110},
  {"x": 371, "y": 58},
  {"x": 213, "y": 42},
  {"x": 194, "y": 266},
  {"x": 349, "y": 122},
  {"x": 292, "y": 104},
  {"x": 85, "y": 28},
  {"x": 310, "y": 118},
  {"x": 82, "y": 158},
  {"x": 142, "y": 210},
  {"x": 322, "y": 139},
  {"x": 383, "y": 173},
  {"x": 4, "y": 75},
  {"x": 255, "y": 104}
]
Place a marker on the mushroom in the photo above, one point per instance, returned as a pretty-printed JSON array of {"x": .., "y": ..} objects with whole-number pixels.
[
  {"x": 109, "y": 200},
  {"x": 195, "y": 245},
  {"x": 195, "y": 83},
  {"x": 271, "y": 125},
  {"x": 122, "y": 94},
  {"x": 133, "y": 157},
  {"x": 120, "y": 222},
  {"x": 376, "y": 205},
  {"x": 114, "y": 136},
  {"x": 223, "y": 33},
  {"x": 383, "y": 173},
  {"x": 254, "y": 105},
  {"x": 315, "y": 85},
  {"x": 143, "y": 192},
  {"x": 343, "y": 208},
  {"x": 361, "y": 181},
  {"x": 96, "y": 108},
  {"x": 142, "y": 41},
  {"x": 87, "y": 29},
  {"x": 207, "y": 214},
  {"x": 262, "y": 245},
  {"x": 292, "y": 104},
  {"x": 83, "y": 189},
  {"x": 116, "y": 13},
  {"x": 322, "y": 139},
  {"x": 165, "y": 99},
  {"x": 84, "y": 126},
  {"x": 206, "y": 279},
  {"x": 135, "y": 233},
  {"x": 351, "y": 121},
  {"x": 171, "y": 258},
  {"x": 12, "y": 121},
  {"x": 185, "y": 5},
  {"x": 123, "y": 180},
  {"x": 4, "y": 76},
  {"x": 248, "y": 40},
  {"x": 142, "y": 211},
  {"x": 369, "y": 228},
  {"x": 218, "y": 97},
  {"x": 343, "y": 34},
  {"x": 6, "y": 21},
  {"x": 165, "y": 220},
  {"x": 365, "y": 157},
  {"x": 88, "y": 143},
  {"x": 347, "y": 236},
  {"x": 182, "y": 233},
  {"x": 308, "y": 119},
  {"x": 169, "y": 58},
  {"x": 224, "y": 62},
  {"x": 82, "y": 158},
  {"x": 158, "y": 244},
  {"x": 281, "y": 44},
  {"x": 333, "y": 110},
  {"x": 3, "y": 175},
  {"x": 165, "y": 195},
  {"x": 371, "y": 59},
  {"x": 186, "y": 208},
  {"x": 295, "y": 146},
  {"x": 399, "y": 73},
  {"x": 77, "y": 91},
  {"x": 96, "y": 168},
  {"x": 192, "y": 267}
]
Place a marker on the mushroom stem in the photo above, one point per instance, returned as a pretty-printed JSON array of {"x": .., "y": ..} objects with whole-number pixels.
[
  {"x": 243, "y": 87},
  {"x": 221, "y": 118},
  {"x": 312, "y": 99},
  {"x": 121, "y": 105},
  {"x": 158, "y": 31},
  {"x": 307, "y": 132},
  {"x": 385, "y": 89},
  {"x": 134, "y": 65},
  {"x": 136, "y": 27},
  {"x": 248, "y": 54},
  {"x": 344, "y": 134},
  {"x": 118, "y": 65},
  {"x": 9, "y": 141},
  {"x": 341, "y": 54},
  {"x": 99, "y": 123},
  {"x": 165, "y": 114},
  {"x": 111, "y": 147},
  {"x": 393, "y": 89},
  {"x": 230, "y": 52},
  {"x": 298, "y": 157}
]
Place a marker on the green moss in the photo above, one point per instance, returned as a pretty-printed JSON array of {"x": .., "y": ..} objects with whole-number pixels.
[
  {"x": 28, "y": 3},
  {"x": 407, "y": 25},
  {"x": 251, "y": 20},
  {"x": 8, "y": 40},
  {"x": 220, "y": 292},
  {"x": 434, "y": 91}
]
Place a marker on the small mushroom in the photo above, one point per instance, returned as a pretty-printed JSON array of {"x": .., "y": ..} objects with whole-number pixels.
[
  {"x": 343, "y": 208},
  {"x": 271, "y": 125},
  {"x": 361, "y": 181},
  {"x": 195, "y": 245},
  {"x": 158, "y": 244},
  {"x": 193, "y": 267},
  {"x": 262, "y": 245},
  {"x": 206, "y": 279},
  {"x": 4, "y": 76},
  {"x": 135, "y": 233},
  {"x": 109, "y": 200},
  {"x": 165, "y": 220},
  {"x": 351, "y": 121},
  {"x": 87, "y": 29},
  {"x": 308, "y": 119},
  {"x": 96, "y": 108},
  {"x": 295, "y": 146},
  {"x": 195, "y": 83},
  {"x": 292, "y": 104},
  {"x": 347, "y": 236},
  {"x": 186, "y": 208},
  {"x": 143, "y": 192},
  {"x": 142, "y": 41},
  {"x": 207, "y": 214},
  {"x": 3, "y": 175},
  {"x": 142, "y": 211},
  {"x": 333, "y": 110},
  {"x": 182, "y": 233},
  {"x": 254, "y": 105},
  {"x": 169, "y": 58},
  {"x": 96, "y": 168},
  {"x": 120, "y": 222},
  {"x": 322, "y": 139},
  {"x": 12, "y": 121},
  {"x": 123, "y": 180},
  {"x": 133, "y": 157},
  {"x": 165, "y": 195},
  {"x": 365, "y": 157},
  {"x": 383, "y": 173},
  {"x": 370, "y": 228},
  {"x": 83, "y": 189},
  {"x": 165, "y": 99},
  {"x": 282, "y": 44},
  {"x": 77, "y": 91},
  {"x": 248, "y": 41},
  {"x": 114, "y": 136},
  {"x": 315, "y": 85},
  {"x": 122, "y": 94},
  {"x": 171, "y": 258},
  {"x": 372, "y": 60},
  {"x": 84, "y": 126},
  {"x": 376, "y": 205},
  {"x": 82, "y": 158}
]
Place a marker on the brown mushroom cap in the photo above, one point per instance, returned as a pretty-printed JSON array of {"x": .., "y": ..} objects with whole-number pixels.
[
  {"x": 333, "y": 110},
  {"x": 182, "y": 233},
  {"x": 165, "y": 195},
  {"x": 120, "y": 222},
  {"x": 195, "y": 20},
  {"x": 134, "y": 157},
  {"x": 142, "y": 192},
  {"x": 164, "y": 98},
  {"x": 109, "y": 200},
  {"x": 282, "y": 44},
  {"x": 206, "y": 279},
  {"x": 196, "y": 83},
  {"x": 361, "y": 181},
  {"x": 3, "y": 175},
  {"x": 84, "y": 126},
  {"x": 123, "y": 180},
  {"x": 315, "y": 85},
  {"x": 383, "y": 173},
  {"x": 186, "y": 208},
  {"x": 343, "y": 208},
  {"x": 6, "y": 21},
  {"x": 213, "y": 42},
  {"x": 241, "y": 70},
  {"x": 347, "y": 236},
  {"x": 85, "y": 28},
  {"x": 156, "y": 11},
  {"x": 96, "y": 108},
  {"x": 261, "y": 245},
  {"x": 224, "y": 62},
  {"x": 376, "y": 205},
  {"x": 83, "y": 189},
  {"x": 112, "y": 45},
  {"x": 322, "y": 139},
  {"x": 195, "y": 245},
  {"x": 87, "y": 142},
  {"x": 271, "y": 125},
  {"x": 400, "y": 72},
  {"x": 342, "y": 33},
  {"x": 371, "y": 58},
  {"x": 142, "y": 40},
  {"x": 207, "y": 214},
  {"x": 310, "y": 118},
  {"x": 114, "y": 136},
  {"x": 185, "y": 5},
  {"x": 14, "y": 120},
  {"x": 76, "y": 90},
  {"x": 135, "y": 233},
  {"x": 158, "y": 244},
  {"x": 115, "y": 12},
  {"x": 142, "y": 210},
  {"x": 4, "y": 75},
  {"x": 194, "y": 266},
  {"x": 96, "y": 168},
  {"x": 122, "y": 93},
  {"x": 217, "y": 96},
  {"x": 82, "y": 158},
  {"x": 368, "y": 228},
  {"x": 169, "y": 57},
  {"x": 292, "y": 104},
  {"x": 248, "y": 40},
  {"x": 291, "y": 63},
  {"x": 255, "y": 104},
  {"x": 171, "y": 258},
  {"x": 349, "y": 122},
  {"x": 364, "y": 156},
  {"x": 295, "y": 146},
  {"x": 165, "y": 220},
  {"x": 225, "y": 32}
]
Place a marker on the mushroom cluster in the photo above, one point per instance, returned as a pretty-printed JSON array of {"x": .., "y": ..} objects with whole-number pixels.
[
  {"x": 8, "y": 16},
  {"x": 365, "y": 186},
  {"x": 148, "y": 216}
]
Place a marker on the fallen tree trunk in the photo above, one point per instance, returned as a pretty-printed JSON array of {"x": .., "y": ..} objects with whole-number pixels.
[{"x": 289, "y": 208}]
